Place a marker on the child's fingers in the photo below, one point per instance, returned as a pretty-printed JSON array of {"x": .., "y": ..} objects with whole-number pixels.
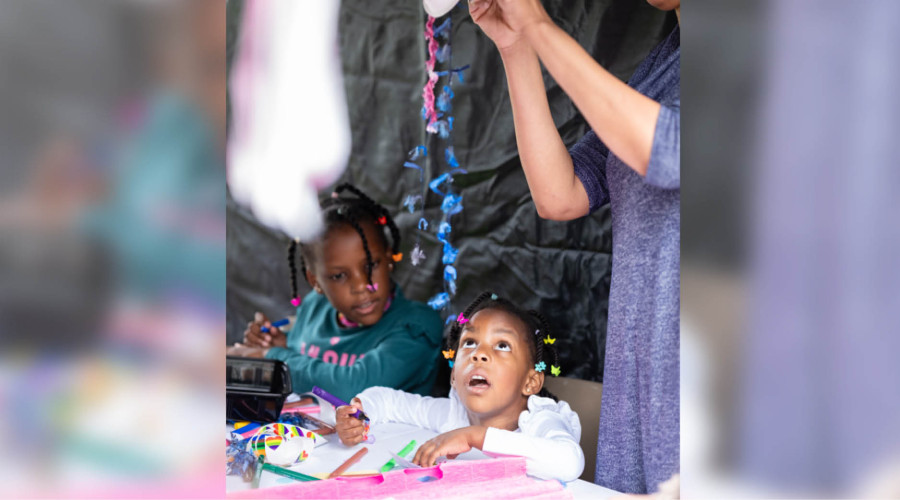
[
  {"x": 424, "y": 454},
  {"x": 352, "y": 436},
  {"x": 432, "y": 456},
  {"x": 260, "y": 318},
  {"x": 252, "y": 335},
  {"x": 345, "y": 422},
  {"x": 346, "y": 411}
]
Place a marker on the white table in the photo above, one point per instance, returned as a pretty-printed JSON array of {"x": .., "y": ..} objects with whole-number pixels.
[{"x": 389, "y": 437}]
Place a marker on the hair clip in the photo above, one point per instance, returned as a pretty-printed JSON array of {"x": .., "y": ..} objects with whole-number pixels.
[
  {"x": 554, "y": 370},
  {"x": 296, "y": 301},
  {"x": 449, "y": 354},
  {"x": 382, "y": 220},
  {"x": 335, "y": 195},
  {"x": 450, "y": 362},
  {"x": 461, "y": 319},
  {"x": 397, "y": 257},
  {"x": 372, "y": 287},
  {"x": 493, "y": 296},
  {"x": 537, "y": 332},
  {"x": 549, "y": 340},
  {"x": 539, "y": 367}
]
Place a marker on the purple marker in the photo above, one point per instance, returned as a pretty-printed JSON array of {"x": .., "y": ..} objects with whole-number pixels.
[
  {"x": 336, "y": 401},
  {"x": 279, "y": 323}
]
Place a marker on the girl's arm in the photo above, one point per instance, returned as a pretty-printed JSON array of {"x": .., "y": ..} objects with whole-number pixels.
[
  {"x": 548, "y": 438},
  {"x": 556, "y": 455},
  {"x": 382, "y": 404},
  {"x": 402, "y": 358}
]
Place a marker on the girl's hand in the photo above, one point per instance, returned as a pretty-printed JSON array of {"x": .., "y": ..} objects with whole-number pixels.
[
  {"x": 244, "y": 351},
  {"x": 505, "y": 21},
  {"x": 351, "y": 430},
  {"x": 255, "y": 337},
  {"x": 450, "y": 444}
]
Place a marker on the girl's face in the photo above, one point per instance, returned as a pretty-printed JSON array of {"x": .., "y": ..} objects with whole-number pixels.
[
  {"x": 339, "y": 271},
  {"x": 493, "y": 372}
]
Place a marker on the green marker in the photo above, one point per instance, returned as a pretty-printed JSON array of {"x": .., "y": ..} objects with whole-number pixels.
[
  {"x": 260, "y": 463},
  {"x": 405, "y": 451},
  {"x": 281, "y": 471}
]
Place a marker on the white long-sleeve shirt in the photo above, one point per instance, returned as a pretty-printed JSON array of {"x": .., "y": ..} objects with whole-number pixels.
[{"x": 548, "y": 433}]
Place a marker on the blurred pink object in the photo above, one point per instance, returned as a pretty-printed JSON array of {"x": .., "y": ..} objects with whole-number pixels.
[
  {"x": 497, "y": 478},
  {"x": 291, "y": 134}
]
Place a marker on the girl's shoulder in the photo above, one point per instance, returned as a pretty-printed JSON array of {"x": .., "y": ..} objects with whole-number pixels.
[
  {"x": 410, "y": 314},
  {"x": 541, "y": 410}
]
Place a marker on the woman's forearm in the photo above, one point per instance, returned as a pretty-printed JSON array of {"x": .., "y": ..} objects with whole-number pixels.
[
  {"x": 623, "y": 118},
  {"x": 557, "y": 192}
]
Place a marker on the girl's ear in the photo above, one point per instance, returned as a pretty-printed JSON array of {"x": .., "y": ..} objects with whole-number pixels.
[
  {"x": 311, "y": 279},
  {"x": 389, "y": 258},
  {"x": 533, "y": 383}
]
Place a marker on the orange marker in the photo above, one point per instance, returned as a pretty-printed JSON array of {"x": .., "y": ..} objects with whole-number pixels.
[{"x": 349, "y": 463}]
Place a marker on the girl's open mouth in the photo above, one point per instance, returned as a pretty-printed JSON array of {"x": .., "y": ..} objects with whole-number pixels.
[{"x": 478, "y": 383}]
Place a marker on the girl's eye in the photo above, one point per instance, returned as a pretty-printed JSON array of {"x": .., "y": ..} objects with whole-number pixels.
[
  {"x": 503, "y": 346},
  {"x": 337, "y": 277},
  {"x": 467, "y": 343}
]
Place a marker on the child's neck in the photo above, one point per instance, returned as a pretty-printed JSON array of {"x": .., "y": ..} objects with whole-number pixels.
[{"x": 508, "y": 420}]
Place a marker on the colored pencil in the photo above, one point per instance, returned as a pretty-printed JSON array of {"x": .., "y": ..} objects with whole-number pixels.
[{"x": 349, "y": 463}]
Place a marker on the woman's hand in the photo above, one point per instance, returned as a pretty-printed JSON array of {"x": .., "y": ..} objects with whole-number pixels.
[
  {"x": 488, "y": 16},
  {"x": 350, "y": 429},
  {"x": 505, "y": 21},
  {"x": 255, "y": 337},
  {"x": 244, "y": 351},
  {"x": 450, "y": 444}
]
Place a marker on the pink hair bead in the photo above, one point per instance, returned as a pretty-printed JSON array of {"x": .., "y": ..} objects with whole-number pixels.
[{"x": 296, "y": 301}]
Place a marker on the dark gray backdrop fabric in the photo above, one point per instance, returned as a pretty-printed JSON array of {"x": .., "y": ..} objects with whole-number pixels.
[{"x": 559, "y": 268}]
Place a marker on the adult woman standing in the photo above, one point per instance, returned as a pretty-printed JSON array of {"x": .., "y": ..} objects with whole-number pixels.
[{"x": 630, "y": 160}]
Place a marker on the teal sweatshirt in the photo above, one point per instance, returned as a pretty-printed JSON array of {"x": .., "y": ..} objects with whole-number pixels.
[{"x": 400, "y": 351}]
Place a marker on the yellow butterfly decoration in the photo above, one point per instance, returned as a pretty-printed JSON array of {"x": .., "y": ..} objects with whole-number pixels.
[
  {"x": 548, "y": 340},
  {"x": 554, "y": 370},
  {"x": 449, "y": 354}
]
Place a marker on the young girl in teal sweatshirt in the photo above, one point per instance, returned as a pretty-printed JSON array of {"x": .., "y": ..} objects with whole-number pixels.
[{"x": 355, "y": 329}]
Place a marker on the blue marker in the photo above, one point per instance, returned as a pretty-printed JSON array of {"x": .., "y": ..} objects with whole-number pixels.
[{"x": 278, "y": 323}]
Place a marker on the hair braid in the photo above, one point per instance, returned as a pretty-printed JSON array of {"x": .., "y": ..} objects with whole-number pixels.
[
  {"x": 355, "y": 190},
  {"x": 545, "y": 330},
  {"x": 292, "y": 263},
  {"x": 303, "y": 268},
  {"x": 395, "y": 232},
  {"x": 379, "y": 210},
  {"x": 369, "y": 263}
]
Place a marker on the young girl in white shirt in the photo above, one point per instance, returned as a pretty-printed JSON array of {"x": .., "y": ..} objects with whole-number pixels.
[{"x": 499, "y": 355}]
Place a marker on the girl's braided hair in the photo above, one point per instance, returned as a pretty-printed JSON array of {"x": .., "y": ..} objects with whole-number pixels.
[
  {"x": 352, "y": 211},
  {"x": 535, "y": 322}
]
